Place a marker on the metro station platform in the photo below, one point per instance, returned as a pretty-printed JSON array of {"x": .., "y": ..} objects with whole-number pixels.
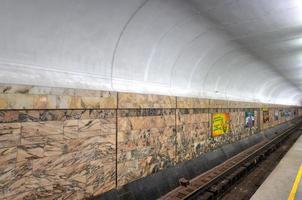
[{"x": 284, "y": 182}]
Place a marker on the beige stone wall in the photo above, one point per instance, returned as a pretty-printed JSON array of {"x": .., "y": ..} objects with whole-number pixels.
[
  {"x": 192, "y": 132},
  {"x": 35, "y": 97},
  {"x": 237, "y": 125},
  {"x": 54, "y": 154},
  {"x": 130, "y": 101},
  {"x": 58, "y": 143},
  {"x": 282, "y": 119},
  {"x": 146, "y": 143}
]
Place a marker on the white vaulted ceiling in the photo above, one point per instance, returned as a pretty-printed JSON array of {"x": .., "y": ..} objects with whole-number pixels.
[{"x": 232, "y": 49}]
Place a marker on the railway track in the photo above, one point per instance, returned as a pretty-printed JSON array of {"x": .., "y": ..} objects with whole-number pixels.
[{"x": 211, "y": 184}]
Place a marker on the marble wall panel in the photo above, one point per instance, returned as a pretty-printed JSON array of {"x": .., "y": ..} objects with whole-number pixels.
[
  {"x": 8, "y": 157},
  {"x": 192, "y": 132},
  {"x": 237, "y": 125},
  {"x": 185, "y": 102},
  {"x": 36, "y": 97},
  {"x": 131, "y": 100},
  {"x": 146, "y": 144},
  {"x": 9, "y": 135},
  {"x": 57, "y": 154},
  {"x": 232, "y": 104},
  {"x": 9, "y": 116},
  {"x": 217, "y": 103}
]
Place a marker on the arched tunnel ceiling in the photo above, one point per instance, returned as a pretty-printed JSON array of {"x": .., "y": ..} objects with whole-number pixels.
[{"x": 234, "y": 49}]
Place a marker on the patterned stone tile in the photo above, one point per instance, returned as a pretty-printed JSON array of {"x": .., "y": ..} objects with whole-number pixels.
[
  {"x": 7, "y": 166},
  {"x": 52, "y": 91},
  {"x": 131, "y": 100},
  {"x": 9, "y": 116},
  {"x": 234, "y": 104},
  {"x": 216, "y": 142},
  {"x": 145, "y": 112},
  {"x": 101, "y": 176},
  {"x": 77, "y": 114},
  {"x": 9, "y": 134},
  {"x": 89, "y": 128},
  {"x": 146, "y": 144},
  {"x": 16, "y": 101},
  {"x": 15, "y": 89},
  {"x": 184, "y": 102},
  {"x": 71, "y": 129},
  {"x": 44, "y": 102},
  {"x": 34, "y": 97},
  {"x": 32, "y": 151},
  {"x": 90, "y": 102},
  {"x": 20, "y": 181},
  {"x": 33, "y": 140},
  {"x": 88, "y": 169},
  {"x": 55, "y": 146},
  {"x": 57, "y": 154},
  {"x": 108, "y": 99},
  {"x": 237, "y": 122},
  {"x": 87, "y": 93},
  {"x": 33, "y": 129},
  {"x": 192, "y": 130},
  {"x": 144, "y": 122},
  {"x": 216, "y": 103}
]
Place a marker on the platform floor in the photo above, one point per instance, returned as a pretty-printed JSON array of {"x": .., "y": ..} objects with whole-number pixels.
[
  {"x": 279, "y": 184},
  {"x": 299, "y": 192}
]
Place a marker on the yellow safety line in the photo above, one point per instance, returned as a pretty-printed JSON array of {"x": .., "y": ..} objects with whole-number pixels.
[{"x": 296, "y": 185}]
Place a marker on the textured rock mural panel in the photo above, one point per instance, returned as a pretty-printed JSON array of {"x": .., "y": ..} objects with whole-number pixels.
[
  {"x": 146, "y": 142},
  {"x": 57, "y": 154}
]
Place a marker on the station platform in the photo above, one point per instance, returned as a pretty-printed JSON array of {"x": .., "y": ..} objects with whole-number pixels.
[{"x": 284, "y": 182}]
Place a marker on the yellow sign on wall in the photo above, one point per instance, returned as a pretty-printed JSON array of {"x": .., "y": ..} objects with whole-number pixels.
[{"x": 220, "y": 123}]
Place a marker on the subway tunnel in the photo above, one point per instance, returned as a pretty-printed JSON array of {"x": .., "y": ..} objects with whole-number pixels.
[{"x": 133, "y": 99}]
